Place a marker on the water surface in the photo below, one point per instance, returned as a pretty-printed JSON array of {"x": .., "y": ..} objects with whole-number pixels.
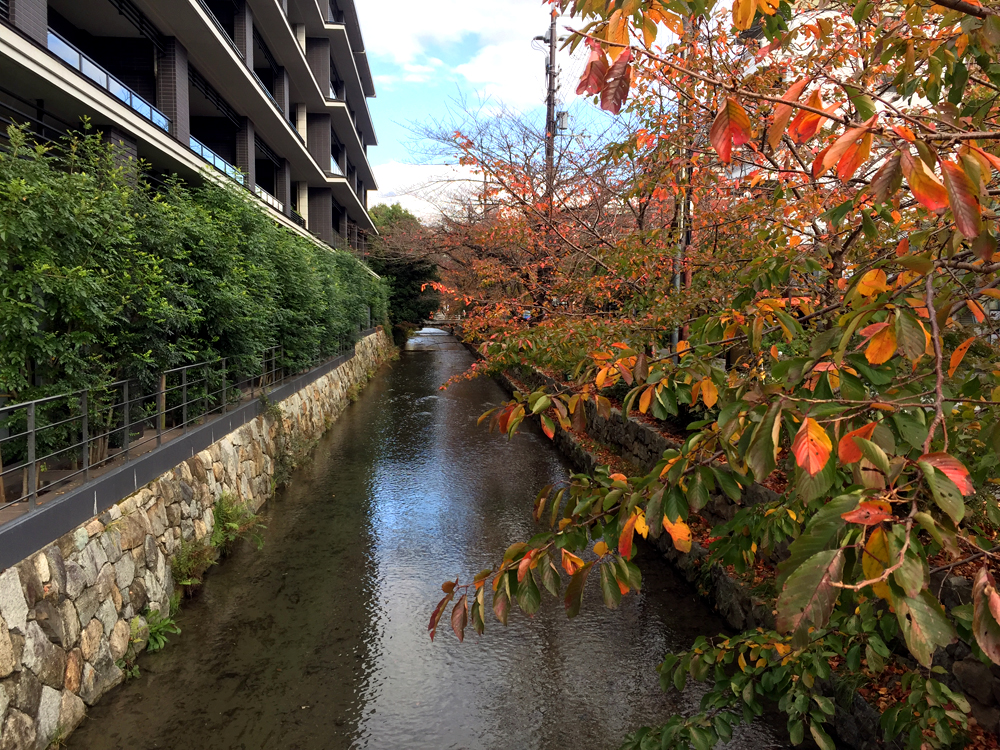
[{"x": 319, "y": 641}]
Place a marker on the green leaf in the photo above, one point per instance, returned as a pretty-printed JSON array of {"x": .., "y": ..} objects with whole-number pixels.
[
  {"x": 809, "y": 488},
  {"x": 911, "y": 429},
  {"x": 528, "y": 595},
  {"x": 809, "y": 595},
  {"x": 944, "y": 491},
  {"x": 574, "y": 591},
  {"x": 609, "y": 588},
  {"x": 911, "y": 574},
  {"x": 822, "y": 738},
  {"x": 874, "y": 454},
  {"x": 697, "y": 493},
  {"x": 726, "y": 483},
  {"x": 924, "y": 624},
  {"x": 796, "y": 731},
  {"x": 760, "y": 456},
  {"x": 821, "y": 530}
]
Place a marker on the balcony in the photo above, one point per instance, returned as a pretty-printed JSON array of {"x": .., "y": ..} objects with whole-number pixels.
[
  {"x": 269, "y": 199},
  {"x": 217, "y": 161},
  {"x": 80, "y": 62},
  {"x": 335, "y": 166}
]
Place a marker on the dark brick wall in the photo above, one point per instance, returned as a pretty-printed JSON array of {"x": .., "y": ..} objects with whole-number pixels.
[
  {"x": 32, "y": 18},
  {"x": 281, "y": 92},
  {"x": 318, "y": 57},
  {"x": 319, "y": 140},
  {"x": 245, "y": 153},
  {"x": 173, "y": 89},
  {"x": 283, "y": 186},
  {"x": 320, "y": 213},
  {"x": 243, "y": 32}
]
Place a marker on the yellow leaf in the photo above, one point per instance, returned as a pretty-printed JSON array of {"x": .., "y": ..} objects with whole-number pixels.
[
  {"x": 872, "y": 283},
  {"x": 645, "y": 399},
  {"x": 601, "y": 549},
  {"x": 641, "y": 526},
  {"x": 742, "y": 663},
  {"x": 743, "y": 12},
  {"x": 783, "y": 649},
  {"x": 882, "y": 346},
  {"x": 679, "y": 532},
  {"x": 601, "y": 376},
  {"x": 709, "y": 393},
  {"x": 791, "y": 513},
  {"x": 876, "y": 559}
]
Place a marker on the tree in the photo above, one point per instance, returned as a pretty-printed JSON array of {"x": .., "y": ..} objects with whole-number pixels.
[
  {"x": 400, "y": 255},
  {"x": 832, "y": 173}
]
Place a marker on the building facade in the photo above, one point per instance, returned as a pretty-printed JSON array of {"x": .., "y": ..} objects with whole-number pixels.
[{"x": 271, "y": 94}]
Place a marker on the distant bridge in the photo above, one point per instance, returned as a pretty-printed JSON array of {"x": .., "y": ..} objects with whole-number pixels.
[{"x": 442, "y": 323}]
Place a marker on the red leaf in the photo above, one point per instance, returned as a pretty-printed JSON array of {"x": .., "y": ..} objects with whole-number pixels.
[
  {"x": 783, "y": 112},
  {"x": 460, "y": 618},
  {"x": 436, "y": 614},
  {"x": 811, "y": 447},
  {"x": 596, "y": 71},
  {"x": 834, "y": 153},
  {"x": 806, "y": 123},
  {"x": 548, "y": 427},
  {"x": 886, "y": 181},
  {"x": 524, "y": 564},
  {"x": 731, "y": 126},
  {"x": 869, "y": 514},
  {"x": 926, "y": 187},
  {"x": 619, "y": 79},
  {"x": 964, "y": 200},
  {"x": 952, "y": 468},
  {"x": 856, "y": 155},
  {"x": 847, "y": 450},
  {"x": 625, "y": 540}
]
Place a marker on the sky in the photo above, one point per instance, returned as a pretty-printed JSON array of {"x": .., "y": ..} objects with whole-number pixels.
[{"x": 426, "y": 57}]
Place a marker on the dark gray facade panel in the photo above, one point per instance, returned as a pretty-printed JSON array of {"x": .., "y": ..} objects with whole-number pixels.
[
  {"x": 173, "y": 89},
  {"x": 318, "y": 57},
  {"x": 245, "y": 152},
  {"x": 319, "y": 140},
  {"x": 321, "y": 213},
  {"x": 243, "y": 31},
  {"x": 32, "y": 18}
]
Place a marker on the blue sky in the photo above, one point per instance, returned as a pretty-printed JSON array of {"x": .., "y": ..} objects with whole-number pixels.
[{"x": 425, "y": 56}]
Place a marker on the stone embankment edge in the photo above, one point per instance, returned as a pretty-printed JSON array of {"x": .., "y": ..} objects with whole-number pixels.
[
  {"x": 73, "y": 609},
  {"x": 855, "y": 726}
]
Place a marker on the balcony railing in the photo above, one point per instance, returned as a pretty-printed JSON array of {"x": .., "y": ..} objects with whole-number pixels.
[
  {"x": 335, "y": 166},
  {"x": 298, "y": 219},
  {"x": 269, "y": 199},
  {"x": 80, "y": 62},
  {"x": 217, "y": 161}
]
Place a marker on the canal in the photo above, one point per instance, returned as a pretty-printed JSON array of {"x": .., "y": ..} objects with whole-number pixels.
[{"x": 319, "y": 641}]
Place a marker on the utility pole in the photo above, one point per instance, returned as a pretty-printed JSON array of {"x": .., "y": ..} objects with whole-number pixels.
[{"x": 550, "y": 117}]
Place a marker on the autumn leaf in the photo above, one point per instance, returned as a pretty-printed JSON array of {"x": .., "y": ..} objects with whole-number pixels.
[
  {"x": 811, "y": 447},
  {"x": 783, "y": 112},
  {"x": 679, "y": 532},
  {"x": 437, "y": 613},
  {"x": 809, "y": 595},
  {"x": 876, "y": 558},
  {"x": 958, "y": 355},
  {"x": 616, "y": 88},
  {"x": 836, "y": 152},
  {"x": 856, "y": 155},
  {"x": 872, "y": 283},
  {"x": 882, "y": 346},
  {"x": 924, "y": 184},
  {"x": 964, "y": 199},
  {"x": 847, "y": 450},
  {"x": 731, "y": 126},
  {"x": 570, "y": 562},
  {"x": 806, "y": 123},
  {"x": 709, "y": 393},
  {"x": 952, "y": 468},
  {"x": 600, "y": 549},
  {"x": 460, "y": 618},
  {"x": 985, "y": 610},
  {"x": 743, "y": 13},
  {"x": 625, "y": 539},
  {"x": 596, "y": 71},
  {"x": 870, "y": 513}
]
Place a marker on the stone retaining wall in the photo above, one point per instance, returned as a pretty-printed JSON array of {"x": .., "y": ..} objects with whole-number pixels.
[{"x": 72, "y": 610}]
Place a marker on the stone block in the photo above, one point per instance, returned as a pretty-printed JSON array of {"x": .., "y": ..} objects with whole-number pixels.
[
  {"x": 80, "y": 538},
  {"x": 157, "y": 515},
  {"x": 86, "y": 605},
  {"x": 137, "y": 595},
  {"x": 94, "y": 527},
  {"x": 74, "y": 670},
  {"x": 112, "y": 542},
  {"x": 13, "y": 607},
  {"x": 51, "y": 622},
  {"x": 133, "y": 530},
  {"x": 18, "y": 732},
  {"x": 57, "y": 569},
  {"x": 100, "y": 676},
  {"x": 116, "y": 598},
  {"x": 976, "y": 680},
  {"x": 71, "y": 711},
  {"x": 118, "y": 642},
  {"x": 105, "y": 580},
  {"x": 76, "y": 579},
  {"x": 92, "y": 559},
  {"x": 4, "y": 702},
  {"x": 7, "y": 662},
  {"x": 47, "y": 724},
  {"x": 187, "y": 529},
  {"x": 988, "y": 717},
  {"x": 90, "y": 639},
  {"x": 71, "y": 623},
  {"x": 43, "y": 657},
  {"x": 114, "y": 512},
  {"x": 24, "y": 691},
  {"x": 41, "y": 563},
  {"x": 108, "y": 616},
  {"x": 125, "y": 571},
  {"x": 174, "y": 515},
  {"x": 200, "y": 532}
]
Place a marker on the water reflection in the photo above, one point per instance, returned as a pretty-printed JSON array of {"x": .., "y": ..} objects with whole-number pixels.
[{"x": 320, "y": 641}]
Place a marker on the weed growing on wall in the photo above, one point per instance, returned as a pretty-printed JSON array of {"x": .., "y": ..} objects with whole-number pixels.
[{"x": 234, "y": 521}]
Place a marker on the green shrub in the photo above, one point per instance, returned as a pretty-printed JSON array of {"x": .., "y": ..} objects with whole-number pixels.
[{"x": 234, "y": 521}]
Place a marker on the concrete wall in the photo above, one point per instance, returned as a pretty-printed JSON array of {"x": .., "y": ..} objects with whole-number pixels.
[{"x": 69, "y": 612}]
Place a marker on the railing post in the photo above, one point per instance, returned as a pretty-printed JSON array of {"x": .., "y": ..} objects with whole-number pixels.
[
  {"x": 184, "y": 400},
  {"x": 204, "y": 399},
  {"x": 85, "y": 436},
  {"x": 161, "y": 409},
  {"x": 224, "y": 404},
  {"x": 126, "y": 411},
  {"x": 32, "y": 469}
]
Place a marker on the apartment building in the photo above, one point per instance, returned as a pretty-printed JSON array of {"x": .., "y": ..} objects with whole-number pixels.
[{"x": 272, "y": 94}]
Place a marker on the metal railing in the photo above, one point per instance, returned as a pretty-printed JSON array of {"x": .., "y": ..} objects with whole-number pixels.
[
  {"x": 73, "y": 57},
  {"x": 335, "y": 166},
  {"x": 298, "y": 219},
  {"x": 51, "y": 445},
  {"x": 4, "y": 10},
  {"x": 269, "y": 199},
  {"x": 216, "y": 161}
]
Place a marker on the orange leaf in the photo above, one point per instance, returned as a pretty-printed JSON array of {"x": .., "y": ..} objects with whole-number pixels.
[
  {"x": 964, "y": 199},
  {"x": 811, "y": 447},
  {"x": 601, "y": 549},
  {"x": 976, "y": 310},
  {"x": 522, "y": 567},
  {"x": 870, "y": 513},
  {"x": 847, "y": 450},
  {"x": 743, "y": 12},
  {"x": 570, "y": 562},
  {"x": 872, "y": 283},
  {"x": 856, "y": 155},
  {"x": 709, "y": 393},
  {"x": 774, "y": 351},
  {"x": 924, "y": 184},
  {"x": 645, "y": 399},
  {"x": 731, "y": 126},
  {"x": 625, "y": 540},
  {"x": 958, "y": 355},
  {"x": 882, "y": 346},
  {"x": 783, "y": 112},
  {"x": 904, "y": 132},
  {"x": 834, "y": 153},
  {"x": 952, "y": 468},
  {"x": 679, "y": 532},
  {"x": 806, "y": 123}
]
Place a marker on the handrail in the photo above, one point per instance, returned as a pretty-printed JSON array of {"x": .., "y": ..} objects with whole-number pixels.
[{"x": 216, "y": 161}]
